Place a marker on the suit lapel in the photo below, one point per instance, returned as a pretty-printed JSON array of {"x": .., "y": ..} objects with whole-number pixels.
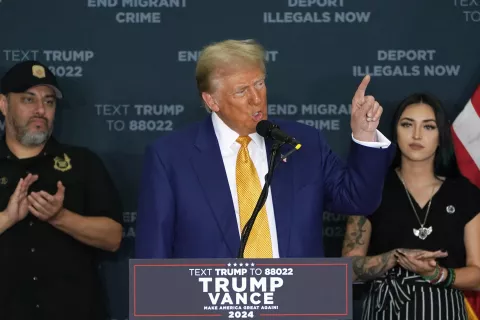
[
  {"x": 282, "y": 196},
  {"x": 210, "y": 170}
]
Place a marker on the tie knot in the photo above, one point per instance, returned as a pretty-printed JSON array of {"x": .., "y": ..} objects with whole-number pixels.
[{"x": 244, "y": 141}]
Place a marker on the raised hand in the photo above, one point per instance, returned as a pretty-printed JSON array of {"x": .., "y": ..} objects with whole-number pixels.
[
  {"x": 17, "y": 208},
  {"x": 366, "y": 113},
  {"x": 46, "y": 206}
]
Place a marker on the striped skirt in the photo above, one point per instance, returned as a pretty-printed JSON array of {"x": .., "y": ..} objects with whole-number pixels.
[{"x": 404, "y": 295}]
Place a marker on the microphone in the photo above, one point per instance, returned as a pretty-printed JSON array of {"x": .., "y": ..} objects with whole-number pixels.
[{"x": 269, "y": 130}]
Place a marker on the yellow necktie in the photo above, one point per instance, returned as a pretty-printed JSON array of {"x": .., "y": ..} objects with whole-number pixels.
[{"x": 259, "y": 244}]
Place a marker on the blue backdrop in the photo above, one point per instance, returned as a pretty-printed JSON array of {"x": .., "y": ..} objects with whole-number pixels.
[{"x": 127, "y": 70}]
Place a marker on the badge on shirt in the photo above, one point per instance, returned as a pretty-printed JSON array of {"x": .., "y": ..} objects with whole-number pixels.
[
  {"x": 62, "y": 164},
  {"x": 450, "y": 209},
  {"x": 3, "y": 180}
]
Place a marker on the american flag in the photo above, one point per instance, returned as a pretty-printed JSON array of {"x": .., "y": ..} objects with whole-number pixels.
[{"x": 466, "y": 139}]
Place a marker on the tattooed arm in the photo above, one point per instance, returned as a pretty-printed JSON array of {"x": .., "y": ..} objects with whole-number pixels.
[
  {"x": 355, "y": 244},
  {"x": 369, "y": 268}
]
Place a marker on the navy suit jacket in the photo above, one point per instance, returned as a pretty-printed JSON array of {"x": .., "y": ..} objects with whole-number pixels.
[{"x": 185, "y": 207}]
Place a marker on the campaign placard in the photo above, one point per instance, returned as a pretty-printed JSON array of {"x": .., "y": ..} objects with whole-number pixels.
[{"x": 241, "y": 288}]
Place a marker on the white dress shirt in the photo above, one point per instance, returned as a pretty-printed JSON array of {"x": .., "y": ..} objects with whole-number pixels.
[{"x": 229, "y": 150}]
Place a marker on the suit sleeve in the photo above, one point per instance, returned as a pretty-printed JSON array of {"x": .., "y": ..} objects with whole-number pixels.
[
  {"x": 156, "y": 211},
  {"x": 355, "y": 187}
]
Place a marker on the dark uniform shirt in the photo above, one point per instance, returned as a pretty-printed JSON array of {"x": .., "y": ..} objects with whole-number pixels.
[{"x": 44, "y": 272}]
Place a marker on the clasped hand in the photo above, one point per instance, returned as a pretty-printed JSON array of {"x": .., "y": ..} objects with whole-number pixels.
[
  {"x": 421, "y": 262},
  {"x": 41, "y": 204}
]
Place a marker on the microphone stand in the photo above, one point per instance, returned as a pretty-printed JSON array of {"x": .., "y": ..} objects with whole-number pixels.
[{"x": 261, "y": 200}]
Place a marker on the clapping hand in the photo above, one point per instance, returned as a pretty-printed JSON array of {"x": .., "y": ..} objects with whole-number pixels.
[
  {"x": 17, "y": 208},
  {"x": 46, "y": 206}
]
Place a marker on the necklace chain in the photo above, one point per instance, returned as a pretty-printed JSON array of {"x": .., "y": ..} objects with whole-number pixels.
[{"x": 413, "y": 207}]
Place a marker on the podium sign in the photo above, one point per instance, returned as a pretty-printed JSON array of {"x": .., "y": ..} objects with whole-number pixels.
[{"x": 241, "y": 289}]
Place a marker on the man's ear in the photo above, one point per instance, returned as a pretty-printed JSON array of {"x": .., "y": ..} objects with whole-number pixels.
[
  {"x": 210, "y": 101},
  {"x": 3, "y": 104}
]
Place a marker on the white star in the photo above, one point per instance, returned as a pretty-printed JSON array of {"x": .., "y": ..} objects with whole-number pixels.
[
  {"x": 234, "y": 264},
  {"x": 229, "y": 264},
  {"x": 246, "y": 264},
  {"x": 241, "y": 264},
  {"x": 252, "y": 264}
]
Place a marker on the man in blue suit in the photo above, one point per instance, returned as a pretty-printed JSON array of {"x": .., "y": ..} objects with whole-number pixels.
[{"x": 200, "y": 184}]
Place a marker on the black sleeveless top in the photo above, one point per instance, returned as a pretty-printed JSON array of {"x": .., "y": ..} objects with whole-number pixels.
[{"x": 453, "y": 206}]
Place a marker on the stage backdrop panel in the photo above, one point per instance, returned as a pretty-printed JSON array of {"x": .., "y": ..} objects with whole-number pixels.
[{"x": 127, "y": 71}]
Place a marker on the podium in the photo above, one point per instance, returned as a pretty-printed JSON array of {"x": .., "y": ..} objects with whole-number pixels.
[{"x": 304, "y": 288}]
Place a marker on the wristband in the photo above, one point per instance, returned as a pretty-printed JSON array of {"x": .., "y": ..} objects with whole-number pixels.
[
  {"x": 442, "y": 278},
  {"x": 435, "y": 274},
  {"x": 451, "y": 277}
]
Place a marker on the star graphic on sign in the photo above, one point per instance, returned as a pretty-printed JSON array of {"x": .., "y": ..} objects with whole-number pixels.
[
  {"x": 252, "y": 264},
  {"x": 234, "y": 264},
  {"x": 241, "y": 264},
  {"x": 227, "y": 264},
  {"x": 246, "y": 264}
]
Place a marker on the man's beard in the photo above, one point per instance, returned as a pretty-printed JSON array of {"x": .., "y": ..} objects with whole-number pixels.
[{"x": 30, "y": 139}]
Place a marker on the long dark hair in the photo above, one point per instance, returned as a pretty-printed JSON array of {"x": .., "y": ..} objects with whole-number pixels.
[{"x": 445, "y": 164}]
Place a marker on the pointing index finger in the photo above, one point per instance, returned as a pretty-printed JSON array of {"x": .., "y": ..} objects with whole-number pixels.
[{"x": 362, "y": 88}]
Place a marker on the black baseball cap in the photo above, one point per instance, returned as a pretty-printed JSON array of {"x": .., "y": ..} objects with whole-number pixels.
[{"x": 27, "y": 74}]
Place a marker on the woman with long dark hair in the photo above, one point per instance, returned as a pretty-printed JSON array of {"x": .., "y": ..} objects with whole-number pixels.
[{"x": 421, "y": 247}]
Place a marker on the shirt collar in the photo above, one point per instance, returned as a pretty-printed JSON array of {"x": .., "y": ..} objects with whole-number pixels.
[
  {"x": 52, "y": 147},
  {"x": 4, "y": 151},
  {"x": 227, "y": 137}
]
